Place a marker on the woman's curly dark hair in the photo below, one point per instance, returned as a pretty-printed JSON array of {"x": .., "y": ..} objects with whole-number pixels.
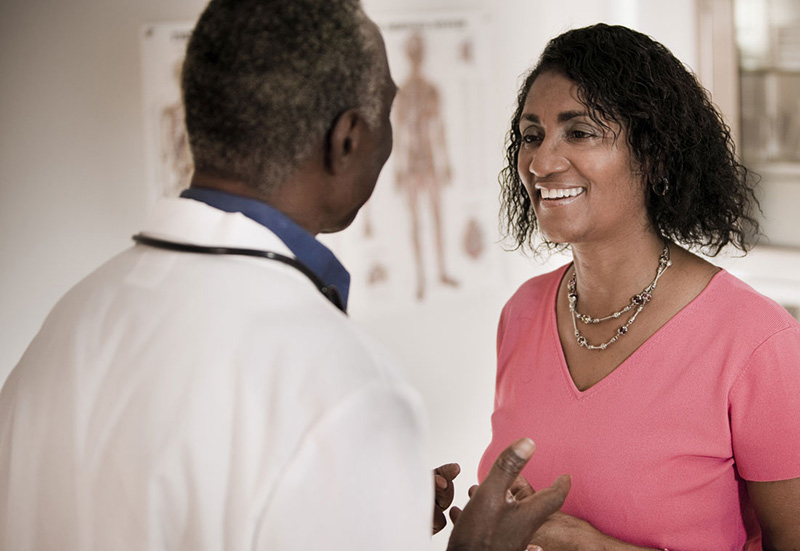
[{"x": 675, "y": 133}]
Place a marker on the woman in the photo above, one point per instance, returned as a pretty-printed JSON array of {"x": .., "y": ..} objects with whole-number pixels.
[{"x": 677, "y": 411}]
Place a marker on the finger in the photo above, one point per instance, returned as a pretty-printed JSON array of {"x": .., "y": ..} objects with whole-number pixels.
[
  {"x": 545, "y": 502},
  {"x": 449, "y": 471},
  {"x": 444, "y": 492},
  {"x": 508, "y": 466},
  {"x": 455, "y": 512},
  {"x": 472, "y": 490},
  {"x": 520, "y": 489},
  {"x": 439, "y": 521},
  {"x": 443, "y": 501},
  {"x": 522, "y": 493},
  {"x": 562, "y": 484}
]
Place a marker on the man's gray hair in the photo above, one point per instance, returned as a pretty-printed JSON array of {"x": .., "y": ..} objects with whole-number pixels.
[{"x": 264, "y": 80}]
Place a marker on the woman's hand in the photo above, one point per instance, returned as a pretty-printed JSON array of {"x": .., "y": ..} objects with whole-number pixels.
[{"x": 562, "y": 532}]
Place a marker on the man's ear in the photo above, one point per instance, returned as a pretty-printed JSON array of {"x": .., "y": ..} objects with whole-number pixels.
[{"x": 344, "y": 141}]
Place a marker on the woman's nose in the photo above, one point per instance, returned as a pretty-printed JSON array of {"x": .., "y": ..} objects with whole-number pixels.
[{"x": 547, "y": 159}]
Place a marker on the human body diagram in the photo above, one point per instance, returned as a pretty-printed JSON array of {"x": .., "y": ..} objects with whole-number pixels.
[{"x": 421, "y": 162}]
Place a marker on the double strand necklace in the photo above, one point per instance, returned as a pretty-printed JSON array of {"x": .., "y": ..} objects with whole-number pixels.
[{"x": 638, "y": 302}]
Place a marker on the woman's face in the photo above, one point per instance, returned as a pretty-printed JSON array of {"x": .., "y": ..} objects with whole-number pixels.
[{"x": 582, "y": 181}]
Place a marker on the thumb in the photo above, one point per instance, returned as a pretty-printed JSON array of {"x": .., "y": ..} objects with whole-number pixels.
[{"x": 508, "y": 466}]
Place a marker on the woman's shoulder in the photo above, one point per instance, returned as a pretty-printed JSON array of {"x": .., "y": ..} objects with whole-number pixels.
[
  {"x": 718, "y": 299},
  {"x": 538, "y": 290},
  {"x": 543, "y": 282},
  {"x": 738, "y": 304}
]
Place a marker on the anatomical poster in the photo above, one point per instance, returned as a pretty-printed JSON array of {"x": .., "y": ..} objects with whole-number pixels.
[{"x": 425, "y": 233}]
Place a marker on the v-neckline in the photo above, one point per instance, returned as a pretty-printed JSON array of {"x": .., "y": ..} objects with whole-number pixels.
[{"x": 564, "y": 366}]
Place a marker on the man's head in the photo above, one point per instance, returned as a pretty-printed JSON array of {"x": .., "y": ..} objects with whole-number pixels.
[{"x": 264, "y": 82}]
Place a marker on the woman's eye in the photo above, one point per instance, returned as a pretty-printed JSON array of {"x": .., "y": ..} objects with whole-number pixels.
[
  {"x": 580, "y": 134},
  {"x": 531, "y": 139}
]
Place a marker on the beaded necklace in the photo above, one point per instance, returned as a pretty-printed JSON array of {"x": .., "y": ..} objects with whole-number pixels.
[{"x": 638, "y": 302}]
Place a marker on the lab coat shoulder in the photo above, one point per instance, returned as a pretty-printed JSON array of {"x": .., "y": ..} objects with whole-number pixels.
[{"x": 207, "y": 394}]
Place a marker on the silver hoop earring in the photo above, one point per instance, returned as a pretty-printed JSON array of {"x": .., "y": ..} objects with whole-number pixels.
[{"x": 661, "y": 187}]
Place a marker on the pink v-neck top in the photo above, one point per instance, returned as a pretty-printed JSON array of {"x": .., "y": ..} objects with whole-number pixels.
[{"x": 658, "y": 449}]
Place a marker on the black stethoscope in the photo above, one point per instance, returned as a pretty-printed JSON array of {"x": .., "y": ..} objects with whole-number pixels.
[{"x": 330, "y": 292}]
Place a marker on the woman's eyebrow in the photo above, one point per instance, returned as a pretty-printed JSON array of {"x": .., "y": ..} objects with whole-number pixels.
[
  {"x": 568, "y": 115},
  {"x": 562, "y": 117}
]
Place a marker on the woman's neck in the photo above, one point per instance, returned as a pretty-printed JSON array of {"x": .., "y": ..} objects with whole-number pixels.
[{"x": 608, "y": 274}]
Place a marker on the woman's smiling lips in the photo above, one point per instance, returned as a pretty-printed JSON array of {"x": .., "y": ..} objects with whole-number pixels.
[{"x": 555, "y": 193}]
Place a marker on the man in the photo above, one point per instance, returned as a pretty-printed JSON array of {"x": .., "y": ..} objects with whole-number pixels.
[{"x": 179, "y": 400}]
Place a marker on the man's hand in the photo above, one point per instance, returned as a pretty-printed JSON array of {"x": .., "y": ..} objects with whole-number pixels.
[
  {"x": 444, "y": 491},
  {"x": 495, "y": 519}
]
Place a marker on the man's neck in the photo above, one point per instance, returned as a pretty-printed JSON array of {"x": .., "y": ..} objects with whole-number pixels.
[
  {"x": 293, "y": 205},
  {"x": 228, "y": 185}
]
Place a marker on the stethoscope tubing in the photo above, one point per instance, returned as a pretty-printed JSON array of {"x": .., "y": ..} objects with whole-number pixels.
[{"x": 330, "y": 292}]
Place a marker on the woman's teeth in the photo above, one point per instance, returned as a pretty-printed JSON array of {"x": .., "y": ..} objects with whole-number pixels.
[{"x": 559, "y": 193}]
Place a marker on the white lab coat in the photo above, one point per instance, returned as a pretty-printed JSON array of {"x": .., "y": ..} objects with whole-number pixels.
[{"x": 195, "y": 402}]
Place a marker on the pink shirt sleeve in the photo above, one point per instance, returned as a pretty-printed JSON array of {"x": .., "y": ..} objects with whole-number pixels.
[{"x": 765, "y": 410}]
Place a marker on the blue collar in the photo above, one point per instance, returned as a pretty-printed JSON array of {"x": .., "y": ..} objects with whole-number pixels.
[{"x": 303, "y": 245}]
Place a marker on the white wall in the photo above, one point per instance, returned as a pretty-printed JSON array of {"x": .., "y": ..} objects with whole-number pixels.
[
  {"x": 71, "y": 147},
  {"x": 72, "y": 174}
]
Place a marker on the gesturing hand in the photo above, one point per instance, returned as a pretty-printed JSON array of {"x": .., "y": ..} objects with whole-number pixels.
[
  {"x": 497, "y": 520},
  {"x": 444, "y": 489}
]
